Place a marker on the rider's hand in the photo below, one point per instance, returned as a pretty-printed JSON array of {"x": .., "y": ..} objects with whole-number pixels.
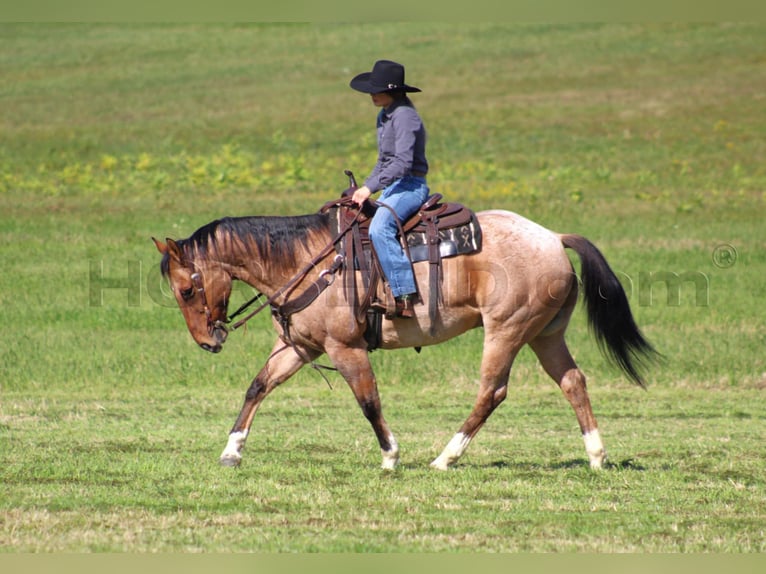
[{"x": 361, "y": 195}]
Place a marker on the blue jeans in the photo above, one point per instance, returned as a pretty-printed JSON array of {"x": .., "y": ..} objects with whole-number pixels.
[{"x": 404, "y": 196}]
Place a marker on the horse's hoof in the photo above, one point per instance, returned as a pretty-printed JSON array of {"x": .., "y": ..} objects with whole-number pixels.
[
  {"x": 230, "y": 460},
  {"x": 439, "y": 465},
  {"x": 595, "y": 449},
  {"x": 389, "y": 463}
]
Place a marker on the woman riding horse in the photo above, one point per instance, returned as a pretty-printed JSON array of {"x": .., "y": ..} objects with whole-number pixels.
[{"x": 400, "y": 172}]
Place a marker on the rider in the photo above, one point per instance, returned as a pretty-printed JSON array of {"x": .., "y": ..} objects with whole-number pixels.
[{"x": 400, "y": 173}]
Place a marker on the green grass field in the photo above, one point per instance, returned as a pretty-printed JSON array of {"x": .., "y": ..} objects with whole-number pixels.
[{"x": 648, "y": 139}]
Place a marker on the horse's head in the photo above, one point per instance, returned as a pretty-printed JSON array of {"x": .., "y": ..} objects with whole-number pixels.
[{"x": 202, "y": 290}]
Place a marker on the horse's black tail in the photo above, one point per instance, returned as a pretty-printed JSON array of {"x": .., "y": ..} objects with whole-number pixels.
[{"x": 609, "y": 315}]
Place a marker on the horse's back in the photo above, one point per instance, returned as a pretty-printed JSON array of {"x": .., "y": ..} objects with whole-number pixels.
[
  {"x": 499, "y": 222},
  {"x": 521, "y": 244}
]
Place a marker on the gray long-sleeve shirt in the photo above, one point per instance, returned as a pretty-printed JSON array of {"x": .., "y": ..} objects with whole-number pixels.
[{"x": 401, "y": 145}]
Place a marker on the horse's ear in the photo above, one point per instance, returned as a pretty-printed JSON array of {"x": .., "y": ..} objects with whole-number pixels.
[
  {"x": 161, "y": 247},
  {"x": 174, "y": 251}
]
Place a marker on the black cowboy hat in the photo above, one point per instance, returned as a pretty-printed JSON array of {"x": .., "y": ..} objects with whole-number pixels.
[{"x": 386, "y": 76}]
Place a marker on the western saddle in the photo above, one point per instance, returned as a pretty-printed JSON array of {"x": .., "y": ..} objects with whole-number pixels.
[{"x": 438, "y": 230}]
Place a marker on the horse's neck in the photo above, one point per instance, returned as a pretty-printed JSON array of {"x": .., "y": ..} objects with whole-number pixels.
[{"x": 267, "y": 277}]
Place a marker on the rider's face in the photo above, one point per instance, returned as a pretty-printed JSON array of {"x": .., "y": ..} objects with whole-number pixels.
[{"x": 382, "y": 100}]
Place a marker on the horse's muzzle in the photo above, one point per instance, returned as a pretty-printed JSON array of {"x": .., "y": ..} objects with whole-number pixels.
[
  {"x": 211, "y": 348},
  {"x": 220, "y": 333}
]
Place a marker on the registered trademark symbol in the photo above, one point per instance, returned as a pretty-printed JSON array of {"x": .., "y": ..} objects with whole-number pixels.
[{"x": 725, "y": 256}]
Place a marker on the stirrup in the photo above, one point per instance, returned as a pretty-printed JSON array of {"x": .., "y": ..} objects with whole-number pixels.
[{"x": 404, "y": 307}]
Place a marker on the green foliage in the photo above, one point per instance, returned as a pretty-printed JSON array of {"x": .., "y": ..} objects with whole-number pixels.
[{"x": 648, "y": 139}]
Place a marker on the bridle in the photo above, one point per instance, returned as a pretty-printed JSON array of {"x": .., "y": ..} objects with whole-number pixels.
[{"x": 211, "y": 325}]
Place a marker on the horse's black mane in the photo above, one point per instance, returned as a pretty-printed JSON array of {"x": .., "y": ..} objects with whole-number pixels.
[{"x": 274, "y": 238}]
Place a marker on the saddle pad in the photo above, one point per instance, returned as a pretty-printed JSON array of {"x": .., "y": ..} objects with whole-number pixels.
[{"x": 453, "y": 241}]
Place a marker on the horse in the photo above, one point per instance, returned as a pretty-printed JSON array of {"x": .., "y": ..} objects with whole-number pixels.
[{"x": 521, "y": 288}]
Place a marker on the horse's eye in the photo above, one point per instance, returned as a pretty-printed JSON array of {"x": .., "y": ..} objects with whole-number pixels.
[{"x": 187, "y": 294}]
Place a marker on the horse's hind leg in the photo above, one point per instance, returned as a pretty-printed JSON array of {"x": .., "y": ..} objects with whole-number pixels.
[
  {"x": 559, "y": 364},
  {"x": 495, "y": 369}
]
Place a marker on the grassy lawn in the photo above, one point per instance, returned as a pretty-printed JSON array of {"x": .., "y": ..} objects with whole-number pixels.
[{"x": 648, "y": 139}]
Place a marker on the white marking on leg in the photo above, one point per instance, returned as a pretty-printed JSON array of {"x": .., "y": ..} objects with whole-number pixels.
[
  {"x": 391, "y": 456},
  {"x": 231, "y": 454},
  {"x": 452, "y": 452},
  {"x": 595, "y": 448}
]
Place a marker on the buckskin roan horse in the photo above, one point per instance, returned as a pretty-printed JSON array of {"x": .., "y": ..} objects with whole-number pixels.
[{"x": 520, "y": 287}]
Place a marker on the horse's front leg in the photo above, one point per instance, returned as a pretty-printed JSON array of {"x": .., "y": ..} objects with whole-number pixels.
[
  {"x": 354, "y": 364},
  {"x": 283, "y": 363}
]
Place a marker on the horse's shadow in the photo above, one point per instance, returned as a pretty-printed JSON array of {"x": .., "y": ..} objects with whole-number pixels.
[
  {"x": 628, "y": 464},
  {"x": 574, "y": 463}
]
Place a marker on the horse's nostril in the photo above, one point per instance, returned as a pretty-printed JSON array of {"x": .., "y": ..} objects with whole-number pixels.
[
  {"x": 220, "y": 335},
  {"x": 211, "y": 348}
]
